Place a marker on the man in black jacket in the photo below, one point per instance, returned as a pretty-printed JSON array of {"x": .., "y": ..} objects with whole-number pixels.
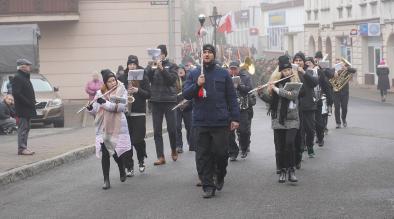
[
  {"x": 341, "y": 97},
  {"x": 25, "y": 103},
  {"x": 307, "y": 106},
  {"x": 136, "y": 116},
  {"x": 246, "y": 112},
  {"x": 163, "y": 79}
]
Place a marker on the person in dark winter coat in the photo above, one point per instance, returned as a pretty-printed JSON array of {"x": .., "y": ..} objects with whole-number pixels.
[
  {"x": 341, "y": 97},
  {"x": 7, "y": 122},
  {"x": 163, "y": 79},
  {"x": 307, "y": 108},
  {"x": 246, "y": 112},
  {"x": 215, "y": 110},
  {"x": 184, "y": 112},
  {"x": 25, "y": 103},
  {"x": 383, "y": 79},
  {"x": 136, "y": 116}
]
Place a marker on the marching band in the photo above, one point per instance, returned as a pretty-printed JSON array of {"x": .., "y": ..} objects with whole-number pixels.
[{"x": 215, "y": 102}]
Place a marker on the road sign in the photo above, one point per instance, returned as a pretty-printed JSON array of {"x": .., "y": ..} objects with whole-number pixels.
[{"x": 159, "y": 3}]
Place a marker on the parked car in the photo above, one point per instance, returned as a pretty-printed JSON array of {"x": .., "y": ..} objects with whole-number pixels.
[{"x": 49, "y": 106}]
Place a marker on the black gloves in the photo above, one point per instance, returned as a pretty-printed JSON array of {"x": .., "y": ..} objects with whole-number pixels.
[
  {"x": 101, "y": 100},
  {"x": 89, "y": 107}
]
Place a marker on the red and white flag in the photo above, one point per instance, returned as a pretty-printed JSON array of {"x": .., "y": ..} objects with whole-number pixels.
[{"x": 226, "y": 24}]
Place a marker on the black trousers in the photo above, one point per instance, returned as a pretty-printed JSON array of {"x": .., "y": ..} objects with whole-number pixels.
[
  {"x": 383, "y": 92},
  {"x": 244, "y": 133},
  {"x": 341, "y": 100},
  {"x": 319, "y": 122},
  {"x": 298, "y": 148},
  {"x": 159, "y": 110},
  {"x": 137, "y": 132},
  {"x": 211, "y": 154},
  {"x": 284, "y": 140},
  {"x": 308, "y": 128},
  {"x": 186, "y": 116}
]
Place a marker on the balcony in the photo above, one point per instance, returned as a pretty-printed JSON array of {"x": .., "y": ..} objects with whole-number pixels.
[{"x": 21, "y": 11}]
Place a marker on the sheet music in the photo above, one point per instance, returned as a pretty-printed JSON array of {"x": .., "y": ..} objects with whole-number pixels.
[
  {"x": 137, "y": 75},
  {"x": 291, "y": 86}
]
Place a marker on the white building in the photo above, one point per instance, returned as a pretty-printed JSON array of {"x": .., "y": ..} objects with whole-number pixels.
[
  {"x": 360, "y": 30},
  {"x": 282, "y": 27}
]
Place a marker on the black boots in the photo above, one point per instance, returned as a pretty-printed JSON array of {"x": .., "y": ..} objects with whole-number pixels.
[
  {"x": 282, "y": 176},
  {"x": 291, "y": 175},
  {"x": 105, "y": 164},
  {"x": 122, "y": 171}
]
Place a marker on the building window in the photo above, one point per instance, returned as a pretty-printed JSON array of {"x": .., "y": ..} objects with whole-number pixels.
[
  {"x": 373, "y": 9},
  {"x": 308, "y": 15},
  {"x": 276, "y": 37},
  {"x": 316, "y": 15},
  {"x": 340, "y": 13},
  {"x": 363, "y": 9},
  {"x": 349, "y": 12}
]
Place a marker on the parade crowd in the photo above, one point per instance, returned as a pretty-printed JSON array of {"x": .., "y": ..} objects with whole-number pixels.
[{"x": 215, "y": 102}]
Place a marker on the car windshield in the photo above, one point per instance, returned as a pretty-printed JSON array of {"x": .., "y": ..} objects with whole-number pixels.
[{"x": 41, "y": 85}]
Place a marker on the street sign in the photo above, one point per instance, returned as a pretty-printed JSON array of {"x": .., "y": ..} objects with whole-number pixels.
[{"x": 159, "y": 3}]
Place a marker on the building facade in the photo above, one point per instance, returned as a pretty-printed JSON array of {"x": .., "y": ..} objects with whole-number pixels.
[
  {"x": 82, "y": 36},
  {"x": 282, "y": 27},
  {"x": 359, "y": 30}
]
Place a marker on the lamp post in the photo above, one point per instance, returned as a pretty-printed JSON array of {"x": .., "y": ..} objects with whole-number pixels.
[{"x": 215, "y": 19}]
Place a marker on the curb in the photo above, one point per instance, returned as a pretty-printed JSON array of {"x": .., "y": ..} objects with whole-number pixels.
[{"x": 29, "y": 170}]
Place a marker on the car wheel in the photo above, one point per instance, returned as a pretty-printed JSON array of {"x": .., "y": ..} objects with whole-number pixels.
[{"x": 59, "y": 124}]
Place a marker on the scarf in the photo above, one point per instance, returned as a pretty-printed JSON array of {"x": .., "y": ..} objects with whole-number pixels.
[{"x": 284, "y": 105}]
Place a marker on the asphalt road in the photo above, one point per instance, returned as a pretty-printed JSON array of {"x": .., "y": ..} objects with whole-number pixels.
[{"x": 352, "y": 176}]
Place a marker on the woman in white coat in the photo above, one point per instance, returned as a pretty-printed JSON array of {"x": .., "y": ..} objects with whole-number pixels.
[{"x": 112, "y": 135}]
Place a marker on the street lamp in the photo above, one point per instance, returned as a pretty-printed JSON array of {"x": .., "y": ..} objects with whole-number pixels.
[{"x": 215, "y": 19}]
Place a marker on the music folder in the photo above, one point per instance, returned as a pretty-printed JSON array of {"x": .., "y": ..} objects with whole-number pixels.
[
  {"x": 236, "y": 80},
  {"x": 135, "y": 75},
  {"x": 293, "y": 86}
]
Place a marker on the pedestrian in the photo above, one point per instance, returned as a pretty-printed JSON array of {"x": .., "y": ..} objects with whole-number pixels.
[
  {"x": 215, "y": 112},
  {"x": 341, "y": 97},
  {"x": 121, "y": 71},
  {"x": 307, "y": 107},
  {"x": 25, "y": 103},
  {"x": 383, "y": 79},
  {"x": 184, "y": 112},
  {"x": 7, "y": 111},
  {"x": 9, "y": 84},
  {"x": 136, "y": 116},
  {"x": 246, "y": 112},
  {"x": 285, "y": 121},
  {"x": 93, "y": 86},
  {"x": 112, "y": 134},
  {"x": 163, "y": 76}
]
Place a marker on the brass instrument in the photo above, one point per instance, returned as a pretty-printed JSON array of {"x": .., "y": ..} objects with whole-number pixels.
[
  {"x": 343, "y": 77},
  {"x": 248, "y": 65}
]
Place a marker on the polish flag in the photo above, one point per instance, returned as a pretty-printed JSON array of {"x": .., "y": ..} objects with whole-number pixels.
[{"x": 226, "y": 24}]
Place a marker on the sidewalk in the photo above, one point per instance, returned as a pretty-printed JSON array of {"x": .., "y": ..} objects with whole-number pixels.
[
  {"x": 53, "y": 146},
  {"x": 370, "y": 92}
]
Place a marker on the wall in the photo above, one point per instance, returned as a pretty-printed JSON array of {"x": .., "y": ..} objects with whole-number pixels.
[{"x": 107, "y": 32}]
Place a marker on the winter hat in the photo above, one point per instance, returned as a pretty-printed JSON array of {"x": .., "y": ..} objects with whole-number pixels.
[
  {"x": 382, "y": 62},
  {"x": 20, "y": 62},
  {"x": 311, "y": 59},
  {"x": 299, "y": 55},
  {"x": 107, "y": 74},
  {"x": 284, "y": 62},
  {"x": 209, "y": 47},
  {"x": 234, "y": 64},
  {"x": 132, "y": 59},
  {"x": 163, "y": 49},
  {"x": 319, "y": 55}
]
